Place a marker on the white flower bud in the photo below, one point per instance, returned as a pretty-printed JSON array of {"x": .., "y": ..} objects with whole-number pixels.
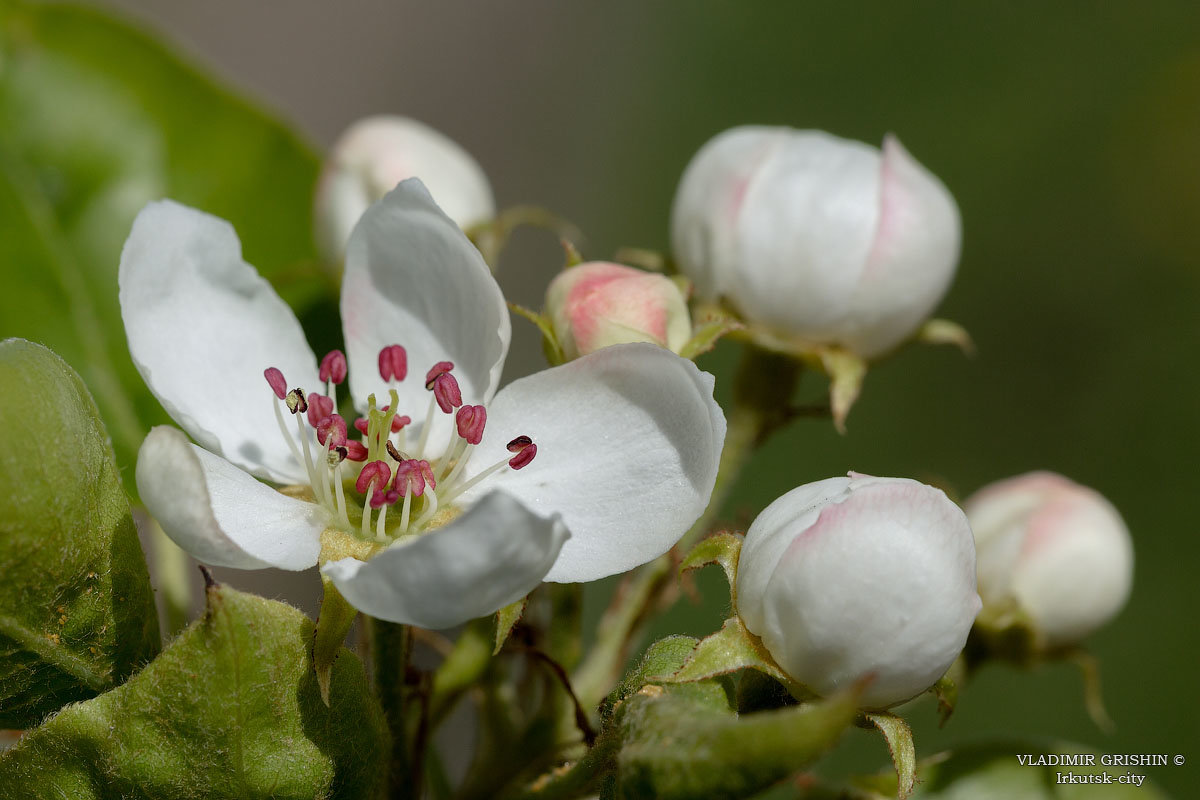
[
  {"x": 1056, "y": 549},
  {"x": 376, "y": 153},
  {"x": 598, "y": 304},
  {"x": 818, "y": 240},
  {"x": 860, "y": 576}
]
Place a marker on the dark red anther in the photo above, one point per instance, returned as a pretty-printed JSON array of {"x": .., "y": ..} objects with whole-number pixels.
[
  {"x": 331, "y": 431},
  {"x": 440, "y": 368},
  {"x": 413, "y": 476},
  {"x": 333, "y": 367},
  {"x": 275, "y": 379},
  {"x": 296, "y": 402},
  {"x": 382, "y": 498},
  {"x": 355, "y": 451},
  {"x": 446, "y": 392},
  {"x": 518, "y": 444},
  {"x": 470, "y": 421},
  {"x": 524, "y": 457},
  {"x": 393, "y": 363},
  {"x": 319, "y": 407},
  {"x": 375, "y": 473}
]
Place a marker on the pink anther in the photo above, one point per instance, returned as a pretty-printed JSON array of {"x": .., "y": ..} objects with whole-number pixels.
[
  {"x": 440, "y": 368},
  {"x": 525, "y": 450},
  {"x": 355, "y": 451},
  {"x": 361, "y": 424},
  {"x": 374, "y": 473},
  {"x": 446, "y": 392},
  {"x": 333, "y": 367},
  {"x": 393, "y": 363},
  {"x": 331, "y": 431},
  {"x": 275, "y": 379},
  {"x": 319, "y": 407},
  {"x": 381, "y": 498},
  {"x": 413, "y": 476},
  {"x": 470, "y": 421}
]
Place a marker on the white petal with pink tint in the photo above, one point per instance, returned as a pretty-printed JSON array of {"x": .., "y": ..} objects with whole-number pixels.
[
  {"x": 414, "y": 279},
  {"x": 494, "y": 554},
  {"x": 218, "y": 513},
  {"x": 202, "y": 326},
  {"x": 628, "y": 439}
]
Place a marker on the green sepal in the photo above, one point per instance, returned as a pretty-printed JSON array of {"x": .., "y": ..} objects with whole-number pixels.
[
  {"x": 1093, "y": 696},
  {"x": 943, "y": 331},
  {"x": 550, "y": 344},
  {"x": 230, "y": 710},
  {"x": 333, "y": 623},
  {"x": 664, "y": 657},
  {"x": 729, "y": 650},
  {"x": 571, "y": 255},
  {"x": 686, "y": 741},
  {"x": 491, "y": 236},
  {"x": 507, "y": 619},
  {"x": 643, "y": 258},
  {"x": 709, "y": 325},
  {"x": 77, "y": 611},
  {"x": 946, "y": 692},
  {"x": 900, "y": 745},
  {"x": 720, "y": 548},
  {"x": 846, "y": 372}
]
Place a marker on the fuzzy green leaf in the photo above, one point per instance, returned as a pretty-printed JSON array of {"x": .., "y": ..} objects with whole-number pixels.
[
  {"x": 899, "y": 740},
  {"x": 96, "y": 119},
  {"x": 683, "y": 742},
  {"x": 664, "y": 657},
  {"x": 231, "y": 709},
  {"x": 76, "y": 608}
]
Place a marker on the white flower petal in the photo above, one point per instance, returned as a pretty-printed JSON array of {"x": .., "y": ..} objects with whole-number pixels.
[
  {"x": 202, "y": 326},
  {"x": 221, "y": 515},
  {"x": 414, "y": 279},
  {"x": 628, "y": 443},
  {"x": 493, "y": 555}
]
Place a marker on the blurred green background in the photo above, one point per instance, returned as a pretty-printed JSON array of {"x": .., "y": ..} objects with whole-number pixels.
[{"x": 1068, "y": 133}]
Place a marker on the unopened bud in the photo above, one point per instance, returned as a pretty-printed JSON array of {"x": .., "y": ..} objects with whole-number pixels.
[
  {"x": 849, "y": 578},
  {"x": 817, "y": 240},
  {"x": 1057, "y": 551},
  {"x": 375, "y": 154},
  {"x": 598, "y": 304}
]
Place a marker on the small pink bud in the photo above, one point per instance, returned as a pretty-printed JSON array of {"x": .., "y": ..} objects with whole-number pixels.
[
  {"x": 333, "y": 367},
  {"x": 393, "y": 363},
  {"x": 598, "y": 304},
  {"x": 375, "y": 473},
  {"x": 470, "y": 421},
  {"x": 319, "y": 407},
  {"x": 275, "y": 379}
]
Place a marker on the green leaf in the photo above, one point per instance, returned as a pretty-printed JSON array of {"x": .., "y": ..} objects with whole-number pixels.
[
  {"x": 899, "y": 740},
  {"x": 506, "y": 619},
  {"x": 729, "y": 650},
  {"x": 720, "y": 548},
  {"x": 96, "y": 119},
  {"x": 231, "y": 709},
  {"x": 682, "y": 742},
  {"x": 710, "y": 325},
  {"x": 76, "y": 608}
]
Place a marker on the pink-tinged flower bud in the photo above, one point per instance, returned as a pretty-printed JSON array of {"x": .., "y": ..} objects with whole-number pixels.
[
  {"x": 598, "y": 304},
  {"x": 853, "y": 577},
  {"x": 1055, "y": 551},
  {"x": 375, "y": 154},
  {"x": 817, "y": 240}
]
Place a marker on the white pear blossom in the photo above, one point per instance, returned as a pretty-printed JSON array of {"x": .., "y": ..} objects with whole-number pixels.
[
  {"x": 456, "y": 500},
  {"x": 1057, "y": 550},
  {"x": 376, "y": 153},
  {"x": 853, "y": 577},
  {"x": 598, "y": 304},
  {"x": 817, "y": 240}
]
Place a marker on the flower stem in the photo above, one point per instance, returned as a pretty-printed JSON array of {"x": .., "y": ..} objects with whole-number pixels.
[
  {"x": 762, "y": 395},
  {"x": 391, "y": 647}
]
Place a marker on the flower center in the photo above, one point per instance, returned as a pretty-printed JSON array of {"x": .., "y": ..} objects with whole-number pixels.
[{"x": 379, "y": 470}]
